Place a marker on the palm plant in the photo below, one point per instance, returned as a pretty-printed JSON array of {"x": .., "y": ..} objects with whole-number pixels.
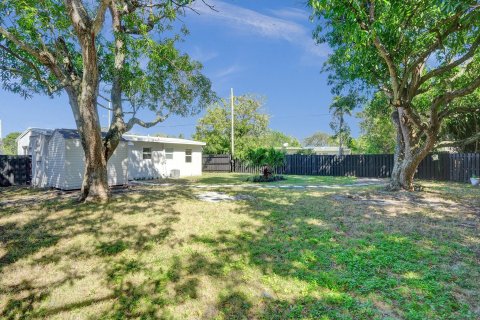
[{"x": 267, "y": 158}]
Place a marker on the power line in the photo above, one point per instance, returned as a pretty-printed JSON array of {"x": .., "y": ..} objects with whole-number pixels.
[{"x": 276, "y": 117}]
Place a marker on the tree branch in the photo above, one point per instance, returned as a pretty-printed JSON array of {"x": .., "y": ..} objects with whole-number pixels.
[
  {"x": 100, "y": 16},
  {"x": 133, "y": 121},
  {"x": 452, "y": 65},
  {"x": 20, "y": 43},
  {"x": 459, "y": 143},
  {"x": 79, "y": 15}
]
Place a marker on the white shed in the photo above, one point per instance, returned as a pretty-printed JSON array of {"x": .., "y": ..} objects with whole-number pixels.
[
  {"x": 65, "y": 162},
  {"x": 58, "y": 158}
]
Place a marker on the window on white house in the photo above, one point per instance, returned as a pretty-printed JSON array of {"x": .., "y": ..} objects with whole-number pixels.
[
  {"x": 169, "y": 153},
  {"x": 188, "y": 155},
  {"x": 147, "y": 153}
]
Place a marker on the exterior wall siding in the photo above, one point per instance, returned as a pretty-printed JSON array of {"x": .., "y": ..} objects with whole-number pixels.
[
  {"x": 75, "y": 165},
  {"x": 56, "y": 162},
  {"x": 39, "y": 146}
]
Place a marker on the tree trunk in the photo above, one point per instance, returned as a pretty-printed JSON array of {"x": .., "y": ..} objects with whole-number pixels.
[
  {"x": 409, "y": 151},
  {"x": 95, "y": 179}
]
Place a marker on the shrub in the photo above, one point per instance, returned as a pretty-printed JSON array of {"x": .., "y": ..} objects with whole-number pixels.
[{"x": 267, "y": 158}]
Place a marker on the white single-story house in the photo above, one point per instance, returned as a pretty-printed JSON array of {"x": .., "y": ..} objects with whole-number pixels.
[{"x": 58, "y": 158}]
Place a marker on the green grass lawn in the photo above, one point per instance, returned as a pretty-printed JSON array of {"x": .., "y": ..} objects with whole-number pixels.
[
  {"x": 159, "y": 252},
  {"x": 241, "y": 178}
]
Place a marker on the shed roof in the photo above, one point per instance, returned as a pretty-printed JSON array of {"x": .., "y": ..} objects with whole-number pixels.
[
  {"x": 35, "y": 130},
  {"x": 73, "y": 134}
]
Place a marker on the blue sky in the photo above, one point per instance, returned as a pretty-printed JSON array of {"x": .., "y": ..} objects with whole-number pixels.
[{"x": 261, "y": 47}]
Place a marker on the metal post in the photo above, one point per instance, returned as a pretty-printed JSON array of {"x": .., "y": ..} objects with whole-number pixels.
[{"x": 233, "y": 119}]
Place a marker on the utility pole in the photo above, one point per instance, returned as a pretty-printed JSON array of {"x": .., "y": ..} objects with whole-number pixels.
[
  {"x": 232, "y": 161},
  {"x": 233, "y": 119}
]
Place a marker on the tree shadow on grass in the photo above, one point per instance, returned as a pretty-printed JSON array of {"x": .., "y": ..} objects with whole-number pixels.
[
  {"x": 352, "y": 264},
  {"x": 46, "y": 238}
]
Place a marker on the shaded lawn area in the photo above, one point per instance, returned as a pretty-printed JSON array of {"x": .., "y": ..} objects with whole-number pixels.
[
  {"x": 241, "y": 178},
  {"x": 158, "y": 252}
]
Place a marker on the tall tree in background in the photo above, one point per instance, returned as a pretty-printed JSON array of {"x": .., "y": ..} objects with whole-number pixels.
[
  {"x": 9, "y": 143},
  {"x": 251, "y": 124},
  {"x": 277, "y": 139},
  {"x": 320, "y": 139},
  {"x": 54, "y": 46},
  {"x": 424, "y": 55},
  {"x": 377, "y": 130},
  {"x": 342, "y": 106}
]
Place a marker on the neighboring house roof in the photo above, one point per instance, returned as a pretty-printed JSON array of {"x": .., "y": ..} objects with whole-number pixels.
[{"x": 131, "y": 137}]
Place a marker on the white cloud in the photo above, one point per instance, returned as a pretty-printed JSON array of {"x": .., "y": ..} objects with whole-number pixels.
[
  {"x": 223, "y": 73},
  {"x": 264, "y": 25},
  {"x": 202, "y": 55},
  {"x": 291, "y": 14}
]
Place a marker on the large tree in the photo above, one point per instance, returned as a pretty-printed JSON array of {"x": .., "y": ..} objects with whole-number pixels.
[
  {"x": 53, "y": 46},
  {"x": 423, "y": 54},
  {"x": 250, "y": 126}
]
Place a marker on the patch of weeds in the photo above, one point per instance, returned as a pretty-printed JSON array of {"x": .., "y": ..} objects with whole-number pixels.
[
  {"x": 174, "y": 272},
  {"x": 186, "y": 290},
  {"x": 122, "y": 268},
  {"x": 111, "y": 248},
  {"x": 235, "y": 306}
]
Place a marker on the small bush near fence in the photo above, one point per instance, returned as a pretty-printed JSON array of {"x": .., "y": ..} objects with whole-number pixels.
[{"x": 441, "y": 166}]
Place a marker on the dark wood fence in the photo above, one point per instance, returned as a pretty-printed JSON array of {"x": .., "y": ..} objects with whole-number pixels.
[
  {"x": 441, "y": 166},
  {"x": 217, "y": 163},
  {"x": 15, "y": 170}
]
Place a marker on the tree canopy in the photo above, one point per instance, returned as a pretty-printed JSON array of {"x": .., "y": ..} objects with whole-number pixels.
[
  {"x": 422, "y": 54},
  {"x": 320, "y": 139},
  {"x": 9, "y": 143}
]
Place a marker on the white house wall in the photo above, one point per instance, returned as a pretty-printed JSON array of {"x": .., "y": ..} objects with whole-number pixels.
[
  {"x": 139, "y": 168},
  {"x": 23, "y": 142},
  {"x": 179, "y": 163}
]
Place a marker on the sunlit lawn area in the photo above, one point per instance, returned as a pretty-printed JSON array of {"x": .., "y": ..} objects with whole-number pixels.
[
  {"x": 159, "y": 252},
  {"x": 241, "y": 178}
]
